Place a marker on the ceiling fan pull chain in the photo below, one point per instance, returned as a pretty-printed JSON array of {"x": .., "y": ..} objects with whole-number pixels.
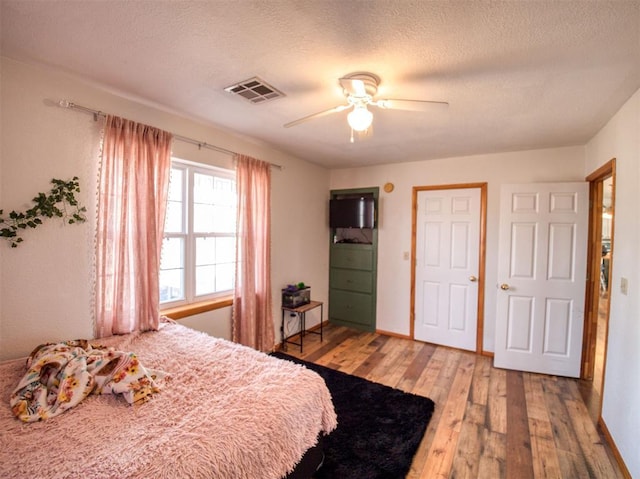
[{"x": 351, "y": 135}]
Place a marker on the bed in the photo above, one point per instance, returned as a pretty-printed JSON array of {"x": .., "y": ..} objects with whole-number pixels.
[{"x": 223, "y": 411}]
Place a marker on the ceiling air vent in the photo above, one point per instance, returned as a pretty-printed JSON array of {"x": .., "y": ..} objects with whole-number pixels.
[{"x": 255, "y": 90}]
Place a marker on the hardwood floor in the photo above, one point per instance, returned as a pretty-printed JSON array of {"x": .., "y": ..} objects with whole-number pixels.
[{"x": 488, "y": 422}]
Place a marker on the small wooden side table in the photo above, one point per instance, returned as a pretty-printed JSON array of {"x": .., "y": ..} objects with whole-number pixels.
[{"x": 300, "y": 312}]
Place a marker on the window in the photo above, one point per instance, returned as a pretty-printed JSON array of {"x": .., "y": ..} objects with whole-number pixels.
[{"x": 198, "y": 250}]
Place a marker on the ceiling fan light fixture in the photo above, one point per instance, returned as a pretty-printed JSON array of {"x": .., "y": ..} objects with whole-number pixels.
[{"x": 360, "y": 118}]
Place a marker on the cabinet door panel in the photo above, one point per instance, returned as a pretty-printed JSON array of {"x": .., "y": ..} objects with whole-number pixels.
[
  {"x": 361, "y": 258},
  {"x": 352, "y": 280},
  {"x": 351, "y": 307}
]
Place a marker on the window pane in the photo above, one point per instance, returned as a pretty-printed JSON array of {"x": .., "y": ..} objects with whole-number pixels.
[
  {"x": 172, "y": 270},
  {"x": 224, "y": 218},
  {"x": 225, "y": 191},
  {"x": 214, "y": 209},
  {"x": 172, "y": 254},
  {"x": 175, "y": 206},
  {"x": 203, "y": 197},
  {"x": 203, "y": 188},
  {"x": 225, "y": 250},
  {"x": 205, "y": 280},
  {"x": 225, "y": 274},
  {"x": 205, "y": 251},
  {"x": 171, "y": 285},
  {"x": 176, "y": 181},
  {"x": 203, "y": 219},
  {"x": 173, "y": 220},
  {"x": 214, "y": 257}
]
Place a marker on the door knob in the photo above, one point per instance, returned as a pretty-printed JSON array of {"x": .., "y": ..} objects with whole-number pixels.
[
  {"x": 504, "y": 286},
  {"x": 473, "y": 278}
]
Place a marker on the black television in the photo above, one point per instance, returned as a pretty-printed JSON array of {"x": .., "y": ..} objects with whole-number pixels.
[{"x": 352, "y": 212}]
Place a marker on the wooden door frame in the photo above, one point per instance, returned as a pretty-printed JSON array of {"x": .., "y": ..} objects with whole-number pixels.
[
  {"x": 594, "y": 258},
  {"x": 481, "y": 253}
]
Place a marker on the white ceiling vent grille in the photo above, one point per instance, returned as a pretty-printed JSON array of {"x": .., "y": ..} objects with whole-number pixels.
[{"x": 255, "y": 90}]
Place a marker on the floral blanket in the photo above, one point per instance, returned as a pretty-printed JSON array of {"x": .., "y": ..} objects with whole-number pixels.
[{"x": 61, "y": 375}]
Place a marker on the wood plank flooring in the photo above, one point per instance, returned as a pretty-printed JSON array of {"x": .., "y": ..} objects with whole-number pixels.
[{"x": 488, "y": 423}]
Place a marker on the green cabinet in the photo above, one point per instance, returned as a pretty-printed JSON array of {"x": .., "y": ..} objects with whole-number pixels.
[
  {"x": 352, "y": 272},
  {"x": 350, "y": 308},
  {"x": 351, "y": 280}
]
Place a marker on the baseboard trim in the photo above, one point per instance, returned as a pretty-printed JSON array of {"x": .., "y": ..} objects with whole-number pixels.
[
  {"x": 317, "y": 326},
  {"x": 278, "y": 346},
  {"x": 614, "y": 448},
  {"x": 395, "y": 335}
]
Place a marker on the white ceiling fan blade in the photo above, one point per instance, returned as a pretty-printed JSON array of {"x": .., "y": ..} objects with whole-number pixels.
[
  {"x": 353, "y": 86},
  {"x": 317, "y": 115},
  {"x": 410, "y": 105}
]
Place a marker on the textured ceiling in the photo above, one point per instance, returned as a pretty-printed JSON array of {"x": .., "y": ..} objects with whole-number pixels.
[{"x": 517, "y": 74}]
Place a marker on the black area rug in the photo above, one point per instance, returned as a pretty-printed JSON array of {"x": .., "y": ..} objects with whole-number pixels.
[{"x": 379, "y": 428}]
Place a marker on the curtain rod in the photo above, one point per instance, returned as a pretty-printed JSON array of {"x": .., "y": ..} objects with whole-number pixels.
[{"x": 199, "y": 144}]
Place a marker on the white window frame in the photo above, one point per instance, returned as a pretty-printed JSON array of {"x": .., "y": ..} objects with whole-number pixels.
[{"x": 189, "y": 169}]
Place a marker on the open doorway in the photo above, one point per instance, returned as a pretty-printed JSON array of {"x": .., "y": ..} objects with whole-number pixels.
[{"x": 600, "y": 252}]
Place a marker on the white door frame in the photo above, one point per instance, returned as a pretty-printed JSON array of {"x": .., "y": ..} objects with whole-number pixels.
[{"x": 481, "y": 262}]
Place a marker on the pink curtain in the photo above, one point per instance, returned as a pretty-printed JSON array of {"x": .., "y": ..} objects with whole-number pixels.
[
  {"x": 133, "y": 188},
  {"x": 252, "y": 316}
]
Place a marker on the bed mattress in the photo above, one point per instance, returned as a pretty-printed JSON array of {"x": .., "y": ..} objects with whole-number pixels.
[{"x": 224, "y": 411}]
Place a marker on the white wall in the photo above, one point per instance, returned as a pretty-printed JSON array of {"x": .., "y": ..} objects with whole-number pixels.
[
  {"x": 394, "y": 237},
  {"x": 620, "y": 139},
  {"x": 215, "y": 323},
  {"x": 46, "y": 283}
]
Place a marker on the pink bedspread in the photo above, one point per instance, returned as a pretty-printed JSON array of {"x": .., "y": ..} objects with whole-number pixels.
[{"x": 227, "y": 411}]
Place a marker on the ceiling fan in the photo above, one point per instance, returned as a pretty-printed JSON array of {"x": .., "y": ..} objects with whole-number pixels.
[{"x": 359, "y": 89}]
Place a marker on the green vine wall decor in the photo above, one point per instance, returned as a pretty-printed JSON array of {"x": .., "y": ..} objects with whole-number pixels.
[{"x": 60, "y": 202}]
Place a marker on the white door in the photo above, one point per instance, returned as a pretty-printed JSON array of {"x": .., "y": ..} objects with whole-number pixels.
[
  {"x": 541, "y": 275},
  {"x": 446, "y": 269}
]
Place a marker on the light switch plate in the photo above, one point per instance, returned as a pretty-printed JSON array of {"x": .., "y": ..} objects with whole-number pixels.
[{"x": 624, "y": 286}]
